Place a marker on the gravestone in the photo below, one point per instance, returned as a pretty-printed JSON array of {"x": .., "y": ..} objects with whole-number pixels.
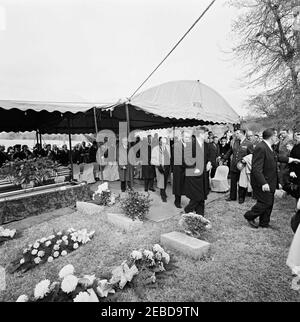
[
  {"x": 186, "y": 245},
  {"x": 89, "y": 208},
  {"x": 123, "y": 222}
]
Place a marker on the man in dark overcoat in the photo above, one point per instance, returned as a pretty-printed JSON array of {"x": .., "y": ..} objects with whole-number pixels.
[
  {"x": 197, "y": 166},
  {"x": 148, "y": 170},
  {"x": 179, "y": 166}
]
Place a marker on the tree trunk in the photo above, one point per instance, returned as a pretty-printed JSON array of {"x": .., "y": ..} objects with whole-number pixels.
[
  {"x": 296, "y": 88},
  {"x": 296, "y": 85}
]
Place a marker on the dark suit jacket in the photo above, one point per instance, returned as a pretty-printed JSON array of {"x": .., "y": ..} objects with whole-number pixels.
[
  {"x": 64, "y": 157},
  {"x": 295, "y": 167},
  {"x": 223, "y": 150},
  {"x": 214, "y": 152},
  {"x": 178, "y": 169},
  {"x": 148, "y": 171},
  {"x": 3, "y": 158},
  {"x": 264, "y": 167},
  {"x": 93, "y": 153}
]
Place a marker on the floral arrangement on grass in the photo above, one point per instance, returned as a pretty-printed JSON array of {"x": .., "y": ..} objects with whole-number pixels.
[
  {"x": 49, "y": 248},
  {"x": 103, "y": 196},
  {"x": 7, "y": 234},
  {"x": 144, "y": 264},
  {"x": 141, "y": 268},
  {"x": 135, "y": 205},
  {"x": 194, "y": 224},
  {"x": 35, "y": 171},
  {"x": 70, "y": 288}
]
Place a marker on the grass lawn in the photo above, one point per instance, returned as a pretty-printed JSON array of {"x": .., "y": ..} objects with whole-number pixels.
[{"x": 244, "y": 264}]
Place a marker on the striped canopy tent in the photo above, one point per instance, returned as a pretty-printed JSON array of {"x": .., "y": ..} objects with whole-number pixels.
[
  {"x": 48, "y": 117},
  {"x": 172, "y": 104},
  {"x": 45, "y": 117}
]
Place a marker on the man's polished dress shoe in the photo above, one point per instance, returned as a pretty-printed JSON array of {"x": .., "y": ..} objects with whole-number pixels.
[
  {"x": 177, "y": 205},
  {"x": 164, "y": 198},
  {"x": 264, "y": 226},
  {"x": 152, "y": 189},
  {"x": 253, "y": 224},
  {"x": 241, "y": 201},
  {"x": 229, "y": 199}
]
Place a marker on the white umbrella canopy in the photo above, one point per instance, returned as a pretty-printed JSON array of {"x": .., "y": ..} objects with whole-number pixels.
[{"x": 186, "y": 99}]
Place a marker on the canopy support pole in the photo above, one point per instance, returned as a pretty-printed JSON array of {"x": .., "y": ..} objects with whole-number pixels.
[
  {"x": 40, "y": 138},
  {"x": 101, "y": 168},
  {"x": 70, "y": 150},
  {"x": 99, "y": 119},
  {"x": 127, "y": 119},
  {"x": 95, "y": 119},
  {"x": 37, "y": 136},
  {"x": 130, "y": 167}
]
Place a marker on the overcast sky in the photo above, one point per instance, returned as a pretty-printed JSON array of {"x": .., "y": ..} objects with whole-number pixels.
[{"x": 101, "y": 50}]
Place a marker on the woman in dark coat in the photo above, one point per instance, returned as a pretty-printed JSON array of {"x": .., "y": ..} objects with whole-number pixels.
[{"x": 148, "y": 171}]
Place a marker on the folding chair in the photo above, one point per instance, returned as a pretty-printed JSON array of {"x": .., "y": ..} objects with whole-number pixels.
[
  {"x": 220, "y": 182},
  {"x": 111, "y": 173},
  {"x": 76, "y": 172},
  {"x": 97, "y": 173},
  {"x": 88, "y": 173}
]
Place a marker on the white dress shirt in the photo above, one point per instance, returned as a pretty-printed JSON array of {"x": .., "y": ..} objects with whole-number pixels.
[
  {"x": 241, "y": 141},
  {"x": 269, "y": 145},
  {"x": 200, "y": 142}
]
